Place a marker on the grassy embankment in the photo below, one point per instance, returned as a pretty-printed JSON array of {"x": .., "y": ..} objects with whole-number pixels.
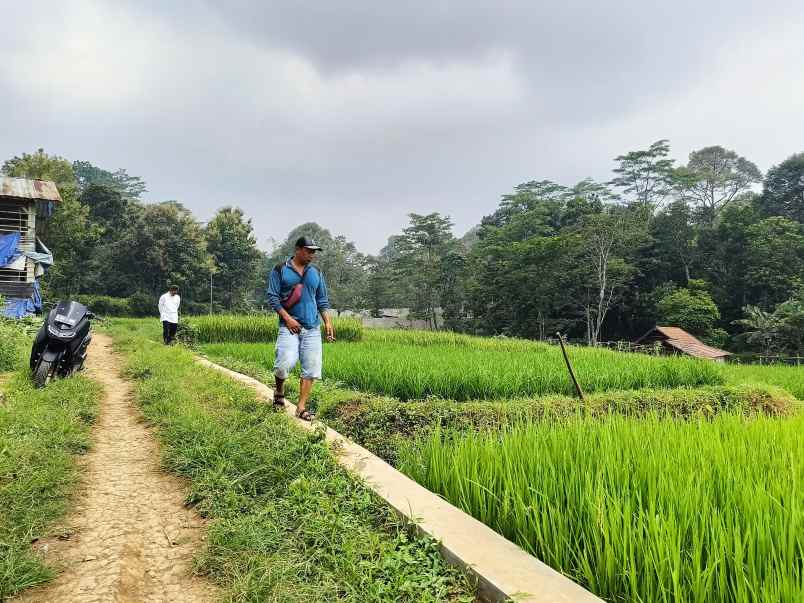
[
  {"x": 41, "y": 432},
  {"x": 288, "y": 523}
]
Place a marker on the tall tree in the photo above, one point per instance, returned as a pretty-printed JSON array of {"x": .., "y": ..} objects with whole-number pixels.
[
  {"x": 72, "y": 238},
  {"x": 423, "y": 249},
  {"x": 713, "y": 177},
  {"x": 775, "y": 267},
  {"x": 721, "y": 257},
  {"x": 606, "y": 238},
  {"x": 783, "y": 193},
  {"x": 674, "y": 240},
  {"x": 646, "y": 175},
  {"x": 231, "y": 243},
  {"x": 165, "y": 246},
  {"x": 129, "y": 187},
  {"x": 543, "y": 196}
]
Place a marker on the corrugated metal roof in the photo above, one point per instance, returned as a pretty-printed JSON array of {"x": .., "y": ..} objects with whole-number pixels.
[
  {"x": 23, "y": 188},
  {"x": 684, "y": 342}
]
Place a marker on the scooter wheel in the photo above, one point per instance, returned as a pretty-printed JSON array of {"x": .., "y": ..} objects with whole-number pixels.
[{"x": 43, "y": 373}]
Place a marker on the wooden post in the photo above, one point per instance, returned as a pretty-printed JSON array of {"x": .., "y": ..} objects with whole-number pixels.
[{"x": 569, "y": 367}]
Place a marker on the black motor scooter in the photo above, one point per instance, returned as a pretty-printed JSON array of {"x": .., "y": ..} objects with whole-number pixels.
[{"x": 60, "y": 347}]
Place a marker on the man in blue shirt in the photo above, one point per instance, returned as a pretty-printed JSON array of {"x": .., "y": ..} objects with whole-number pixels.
[{"x": 298, "y": 293}]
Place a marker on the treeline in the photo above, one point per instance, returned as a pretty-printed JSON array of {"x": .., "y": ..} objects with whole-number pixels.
[
  {"x": 713, "y": 246},
  {"x": 107, "y": 241}
]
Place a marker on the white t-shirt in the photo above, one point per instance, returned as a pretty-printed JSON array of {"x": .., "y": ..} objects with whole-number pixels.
[{"x": 169, "y": 307}]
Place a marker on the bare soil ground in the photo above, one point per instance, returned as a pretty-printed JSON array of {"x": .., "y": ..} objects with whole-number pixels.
[{"x": 129, "y": 537}]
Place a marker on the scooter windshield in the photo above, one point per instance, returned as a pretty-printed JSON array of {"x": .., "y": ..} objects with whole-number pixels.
[{"x": 70, "y": 312}]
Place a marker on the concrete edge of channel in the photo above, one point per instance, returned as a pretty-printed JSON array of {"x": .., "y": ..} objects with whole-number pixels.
[{"x": 503, "y": 570}]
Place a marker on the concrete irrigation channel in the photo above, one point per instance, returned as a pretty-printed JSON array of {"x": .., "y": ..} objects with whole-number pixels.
[{"x": 503, "y": 570}]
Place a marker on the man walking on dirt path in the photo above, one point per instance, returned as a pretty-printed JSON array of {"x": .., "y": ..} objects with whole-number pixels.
[
  {"x": 169, "y": 313},
  {"x": 298, "y": 293}
]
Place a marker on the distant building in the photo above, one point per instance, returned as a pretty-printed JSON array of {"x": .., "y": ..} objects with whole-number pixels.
[
  {"x": 677, "y": 341},
  {"x": 23, "y": 257}
]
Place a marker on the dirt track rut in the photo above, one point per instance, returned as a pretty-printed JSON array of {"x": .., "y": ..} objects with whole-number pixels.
[{"x": 129, "y": 537}]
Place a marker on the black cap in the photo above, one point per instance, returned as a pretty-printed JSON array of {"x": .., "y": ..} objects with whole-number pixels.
[{"x": 306, "y": 242}]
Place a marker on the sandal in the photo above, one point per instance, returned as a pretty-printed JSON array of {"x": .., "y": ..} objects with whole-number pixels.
[
  {"x": 279, "y": 401},
  {"x": 305, "y": 415}
]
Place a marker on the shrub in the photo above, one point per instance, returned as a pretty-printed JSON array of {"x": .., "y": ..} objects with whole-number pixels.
[{"x": 105, "y": 305}]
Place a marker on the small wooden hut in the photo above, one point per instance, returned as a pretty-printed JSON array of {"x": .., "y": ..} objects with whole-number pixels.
[
  {"x": 21, "y": 201},
  {"x": 677, "y": 341}
]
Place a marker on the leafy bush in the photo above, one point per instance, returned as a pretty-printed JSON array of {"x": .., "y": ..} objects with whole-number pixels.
[
  {"x": 691, "y": 309},
  {"x": 104, "y": 305},
  {"x": 143, "y": 304}
]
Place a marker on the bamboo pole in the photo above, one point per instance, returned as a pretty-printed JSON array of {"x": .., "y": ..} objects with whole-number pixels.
[{"x": 569, "y": 367}]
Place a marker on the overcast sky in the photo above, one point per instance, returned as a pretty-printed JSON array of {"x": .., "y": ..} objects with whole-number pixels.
[{"x": 353, "y": 114}]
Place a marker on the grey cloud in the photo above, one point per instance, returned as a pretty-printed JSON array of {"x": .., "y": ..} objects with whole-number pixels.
[{"x": 354, "y": 114}]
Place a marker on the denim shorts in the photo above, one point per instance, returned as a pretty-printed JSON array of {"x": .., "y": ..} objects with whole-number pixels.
[{"x": 292, "y": 347}]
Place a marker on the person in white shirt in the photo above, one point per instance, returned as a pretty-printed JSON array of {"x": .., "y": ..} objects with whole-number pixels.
[{"x": 169, "y": 313}]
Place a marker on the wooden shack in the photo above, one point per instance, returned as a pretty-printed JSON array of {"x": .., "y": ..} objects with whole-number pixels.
[
  {"x": 676, "y": 340},
  {"x": 21, "y": 202}
]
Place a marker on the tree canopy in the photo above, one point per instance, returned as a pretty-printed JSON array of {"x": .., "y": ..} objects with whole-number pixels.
[{"x": 698, "y": 245}]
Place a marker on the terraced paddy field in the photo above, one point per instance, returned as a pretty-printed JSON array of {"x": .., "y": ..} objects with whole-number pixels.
[
  {"x": 676, "y": 480},
  {"x": 463, "y": 372}
]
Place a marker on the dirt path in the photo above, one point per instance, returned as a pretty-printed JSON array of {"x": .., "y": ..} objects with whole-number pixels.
[{"x": 129, "y": 537}]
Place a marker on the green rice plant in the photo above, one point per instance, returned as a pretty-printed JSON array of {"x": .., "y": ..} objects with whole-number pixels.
[
  {"x": 790, "y": 378},
  {"x": 462, "y": 373},
  {"x": 646, "y": 510},
  {"x": 257, "y": 328}
]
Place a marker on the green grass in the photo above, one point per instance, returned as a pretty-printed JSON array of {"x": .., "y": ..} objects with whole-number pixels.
[
  {"x": 257, "y": 328},
  {"x": 41, "y": 431},
  {"x": 790, "y": 378},
  {"x": 459, "y": 372},
  {"x": 14, "y": 343},
  {"x": 649, "y": 509},
  {"x": 288, "y": 523}
]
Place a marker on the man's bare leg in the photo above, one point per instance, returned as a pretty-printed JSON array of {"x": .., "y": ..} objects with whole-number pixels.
[{"x": 305, "y": 387}]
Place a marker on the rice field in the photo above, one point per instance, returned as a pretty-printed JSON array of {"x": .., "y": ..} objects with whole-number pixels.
[
  {"x": 678, "y": 490},
  {"x": 790, "y": 378},
  {"x": 257, "y": 328},
  {"x": 462, "y": 372},
  {"x": 639, "y": 510}
]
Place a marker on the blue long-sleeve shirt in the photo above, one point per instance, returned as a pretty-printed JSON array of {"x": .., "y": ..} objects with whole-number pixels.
[{"x": 314, "y": 296}]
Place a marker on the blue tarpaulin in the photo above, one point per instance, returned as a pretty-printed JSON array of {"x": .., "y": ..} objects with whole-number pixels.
[
  {"x": 8, "y": 248},
  {"x": 17, "y": 307}
]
